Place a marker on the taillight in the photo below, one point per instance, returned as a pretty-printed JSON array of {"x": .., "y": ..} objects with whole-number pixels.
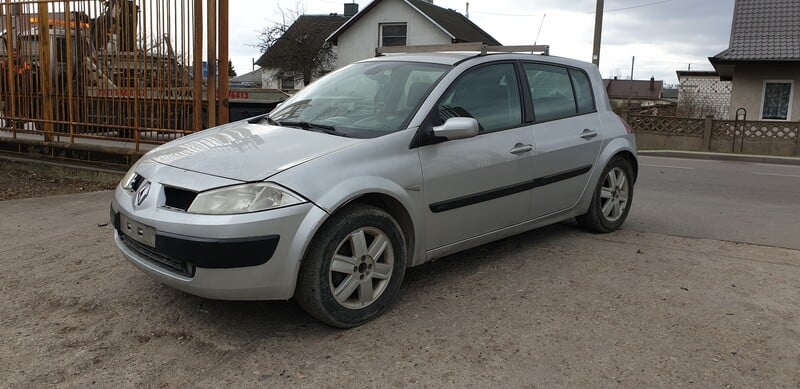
[{"x": 628, "y": 127}]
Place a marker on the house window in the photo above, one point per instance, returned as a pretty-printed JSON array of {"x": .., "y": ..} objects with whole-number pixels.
[
  {"x": 777, "y": 100},
  {"x": 393, "y": 34},
  {"x": 287, "y": 83}
]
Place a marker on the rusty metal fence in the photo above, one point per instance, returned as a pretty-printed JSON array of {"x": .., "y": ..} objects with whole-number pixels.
[{"x": 112, "y": 71}]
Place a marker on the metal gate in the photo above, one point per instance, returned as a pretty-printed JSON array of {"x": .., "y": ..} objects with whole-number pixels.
[{"x": 111, "y": 71}]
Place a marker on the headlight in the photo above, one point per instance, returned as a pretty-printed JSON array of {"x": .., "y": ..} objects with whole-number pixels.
[
  {"x": 127, "y": 180},
  {"x": 242, "y": 199}
]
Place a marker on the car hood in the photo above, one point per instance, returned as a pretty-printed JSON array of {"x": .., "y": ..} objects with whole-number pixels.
[{"x": 247, "y": 152}]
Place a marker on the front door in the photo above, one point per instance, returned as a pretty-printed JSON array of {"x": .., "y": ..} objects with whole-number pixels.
[{"x": 481, "y": 184}]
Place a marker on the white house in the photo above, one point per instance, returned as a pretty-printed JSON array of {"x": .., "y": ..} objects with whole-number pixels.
[
  {"x": 309, "y": 33},
  {"x": 402, "y": 23},
  {"x": 762, "y": 60}
]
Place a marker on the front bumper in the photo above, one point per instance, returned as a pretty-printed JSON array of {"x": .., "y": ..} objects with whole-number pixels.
[
  {"x": 183, "y": 254},
  {"x": 254, "y": 256}
]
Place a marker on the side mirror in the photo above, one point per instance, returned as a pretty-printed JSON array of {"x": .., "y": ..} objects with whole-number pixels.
[{"x": 457, "y": 128}]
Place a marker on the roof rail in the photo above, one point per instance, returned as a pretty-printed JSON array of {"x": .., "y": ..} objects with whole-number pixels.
[{"x": 469, "y": 46}]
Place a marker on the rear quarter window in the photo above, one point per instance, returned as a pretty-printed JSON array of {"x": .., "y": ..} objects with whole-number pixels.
[{"x": 583, "y": 91}]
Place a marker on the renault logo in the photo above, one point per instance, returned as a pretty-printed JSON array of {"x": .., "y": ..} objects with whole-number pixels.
[{"x": 141, "y": 195}]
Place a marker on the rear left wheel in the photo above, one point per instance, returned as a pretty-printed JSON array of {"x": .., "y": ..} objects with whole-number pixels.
[
  {"x": 612, "y": 198},
  {"x": 353, "y": 268}
]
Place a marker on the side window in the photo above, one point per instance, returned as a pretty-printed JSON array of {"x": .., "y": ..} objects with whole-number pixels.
[
  {"x": 777, "y": 100},
  {"x": 583, "y": 91},
  {"x": 287, "y": 83},
  {"x": 551, "y": 91},
  {"x": 393, "y": 34},
  {"x": 490, "y": 94}
]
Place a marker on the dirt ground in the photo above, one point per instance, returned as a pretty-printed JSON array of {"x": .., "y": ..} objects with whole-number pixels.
[
  {"x": 556, "y": 307},
  {"x": 19, "y": 180}
]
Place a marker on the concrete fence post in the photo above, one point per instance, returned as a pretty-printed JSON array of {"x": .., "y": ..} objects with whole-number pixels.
[{"x": 707, "y": 129}]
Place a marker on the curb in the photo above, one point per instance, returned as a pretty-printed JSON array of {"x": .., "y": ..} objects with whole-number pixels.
[{"x": 722, "y": 156}]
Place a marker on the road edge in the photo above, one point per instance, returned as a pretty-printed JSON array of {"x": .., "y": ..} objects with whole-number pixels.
[{"x": 722, "y": 156}]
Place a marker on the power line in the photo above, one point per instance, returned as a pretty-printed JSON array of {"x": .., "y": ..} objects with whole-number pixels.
[
  {"x": 639, "y": 5},
  {"x": 587, "y": 13},
  {"x": 502, "y": 14}
]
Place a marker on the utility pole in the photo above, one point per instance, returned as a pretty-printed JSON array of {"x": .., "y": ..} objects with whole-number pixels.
[
  {"x": 630, "y": 84},
  {"x": 598, "y": 30}
]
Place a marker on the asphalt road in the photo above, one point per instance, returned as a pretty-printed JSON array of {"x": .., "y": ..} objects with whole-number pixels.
[{"x": 724, "y": 200}]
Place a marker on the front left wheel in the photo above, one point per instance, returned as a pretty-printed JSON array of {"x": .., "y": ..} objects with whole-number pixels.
[{"x": 353, "y": 269}]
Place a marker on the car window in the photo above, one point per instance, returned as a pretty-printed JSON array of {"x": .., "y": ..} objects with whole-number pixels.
[
  {"x": 551, "y": 91},
  {"x": 363, "y": 100},
  {"x": 490, "y": 94},
  {"x": 583, "y": 91}
]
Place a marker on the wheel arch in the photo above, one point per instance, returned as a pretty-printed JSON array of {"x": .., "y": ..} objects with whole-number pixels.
[
  {"x": 631, "y": 158},
  {"x": 395, "y": 209},
  {"x": 619, "y": 147}
]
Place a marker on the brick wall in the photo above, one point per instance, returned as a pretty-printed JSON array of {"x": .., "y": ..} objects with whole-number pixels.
[{"x": 702, "y": 95}]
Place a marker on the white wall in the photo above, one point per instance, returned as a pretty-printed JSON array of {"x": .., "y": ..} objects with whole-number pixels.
[
  {"x": 269, "y": 80},
  {"x": 360, "y": 39},
  {"x": 748, "y": 88},
  {"x": 704, "y": 95}
]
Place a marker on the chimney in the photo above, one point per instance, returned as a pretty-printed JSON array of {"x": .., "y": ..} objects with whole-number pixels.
[
  {"x": 350, "y": 9},
  {"x": 652, "y": 83},
  {"x": 615, "y": 77}
]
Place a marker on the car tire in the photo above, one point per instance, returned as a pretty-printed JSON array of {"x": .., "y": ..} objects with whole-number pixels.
[
  {"x": 353, "y": 268},
  {"x": 612, "y": 198}
]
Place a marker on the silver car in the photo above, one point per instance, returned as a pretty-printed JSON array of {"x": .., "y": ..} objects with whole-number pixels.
[{"x": 377, "y": 167}]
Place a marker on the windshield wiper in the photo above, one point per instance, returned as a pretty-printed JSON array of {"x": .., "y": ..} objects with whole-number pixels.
[
  {"x": 314, "y": 127},
  {"x": 259, "y": 118}
]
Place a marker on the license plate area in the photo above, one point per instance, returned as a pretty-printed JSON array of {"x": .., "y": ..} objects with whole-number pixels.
[{"x": 139, "y": 232}]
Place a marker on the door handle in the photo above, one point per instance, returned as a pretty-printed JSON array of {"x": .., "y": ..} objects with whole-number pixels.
[
  {"x": 520, "y": 148},
  {"x": 588, "y": 134}
]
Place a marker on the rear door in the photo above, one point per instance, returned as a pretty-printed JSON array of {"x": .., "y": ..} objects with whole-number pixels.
[
  {"x": 566, "y": 133},
  {"x": 481, "y": 184}
]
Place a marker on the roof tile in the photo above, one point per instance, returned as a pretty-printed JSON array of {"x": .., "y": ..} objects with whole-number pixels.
[
  {"x": 764, "y": 30},
  {"x": 306, "y": 30}
]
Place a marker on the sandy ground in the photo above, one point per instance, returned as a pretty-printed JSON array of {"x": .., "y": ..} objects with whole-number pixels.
[{"x": 554, "y": 307}]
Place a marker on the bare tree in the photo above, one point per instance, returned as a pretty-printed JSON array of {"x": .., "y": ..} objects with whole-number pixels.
[
  {"x": 295, "y": 46},
  {"x": 275, "y": 29}
]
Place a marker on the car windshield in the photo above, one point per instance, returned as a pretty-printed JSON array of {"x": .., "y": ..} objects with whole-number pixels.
[{"x": 363, "y": 100}]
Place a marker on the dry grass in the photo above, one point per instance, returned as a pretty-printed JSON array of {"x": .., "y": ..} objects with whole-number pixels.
[{"x": 22, "y": 180}]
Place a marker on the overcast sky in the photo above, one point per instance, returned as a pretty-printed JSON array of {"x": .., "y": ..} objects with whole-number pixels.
[{"x": 663, "y": 35}]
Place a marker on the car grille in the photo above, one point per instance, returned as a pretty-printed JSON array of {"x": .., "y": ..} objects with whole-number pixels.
[
  {"x": 178, "y": 198},
  {"x": 136, "y": 182},
  {"x": 174, "y": 265}
]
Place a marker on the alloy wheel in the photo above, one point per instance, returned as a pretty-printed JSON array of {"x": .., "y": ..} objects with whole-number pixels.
[
  {"x": 614, "y": 194},
  {"x": 361, "y": 268}
]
